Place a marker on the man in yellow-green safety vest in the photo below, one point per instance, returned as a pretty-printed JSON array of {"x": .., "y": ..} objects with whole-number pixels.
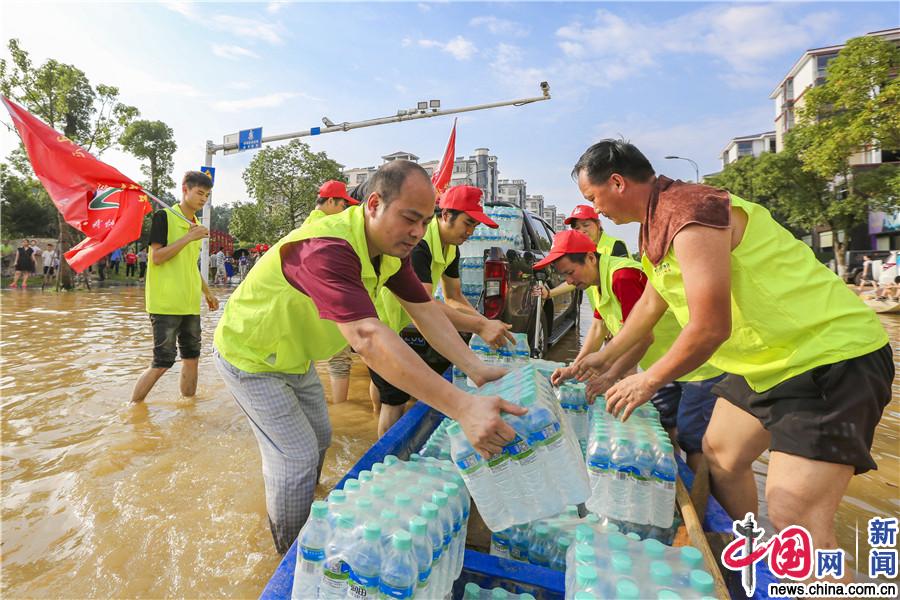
[
  {"x": 614, "y": 284},
  {"x": 809, "y": 365},
  {"x": 331, "y": 200},
  {"x": 174, "y": 285},
  {"x": 586, "y": 220},
  {"x": 310, "y": 296},
  {"x": 435, "y": 260}
]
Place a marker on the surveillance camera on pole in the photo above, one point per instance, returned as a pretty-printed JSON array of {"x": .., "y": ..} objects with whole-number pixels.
[{"x": 328, "y": 122}]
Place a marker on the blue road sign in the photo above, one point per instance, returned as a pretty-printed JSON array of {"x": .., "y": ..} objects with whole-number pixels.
[
  {"x": 315, "y": 131},
  {"x": 210, "y": 172},
  {"x": 248, "y": 139}
]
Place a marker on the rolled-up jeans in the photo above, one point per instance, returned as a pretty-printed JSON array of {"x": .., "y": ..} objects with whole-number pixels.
[{"x": 289, "y": 417}]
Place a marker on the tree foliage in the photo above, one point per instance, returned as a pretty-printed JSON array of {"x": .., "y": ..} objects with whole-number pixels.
[
  {"x": 153, "y": 142},
  {"x": 252, "y": 223},
  {"x": 284, "y": 181}
]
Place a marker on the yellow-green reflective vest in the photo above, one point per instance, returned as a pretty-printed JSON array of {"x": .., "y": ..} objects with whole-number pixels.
[
  {"x": 606, "y": 243},
  {"x": 173, "y": 287},
  {"x": 270, "y": 326},
  {"x": 314, "y": 216},
  {"x": 607, "y": 305},
  {"x": 390, "y": 311},
  {"x": 789, "y": 313}
]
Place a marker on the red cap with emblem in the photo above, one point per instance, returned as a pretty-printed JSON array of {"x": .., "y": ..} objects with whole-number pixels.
[
  {"x": 336, "y": 189},
  {"x": 567, "y": 242},
  {"x": 582, "y": 211},
  {"x": 466, "y": 198}
]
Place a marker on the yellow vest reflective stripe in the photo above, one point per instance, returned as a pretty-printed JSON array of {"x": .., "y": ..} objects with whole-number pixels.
[
  {"x": 270, "y": 326},
  {"x": 173, "y": 287},
  {"x": 607, "y": 305},
  {"x": 606, "y": 243},
  {"x": 390, "y": 311},
  {"x": 789, "y": 313}
]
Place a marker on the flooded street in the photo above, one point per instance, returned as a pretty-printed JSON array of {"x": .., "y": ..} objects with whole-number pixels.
[{"x": 165, "y": 499}]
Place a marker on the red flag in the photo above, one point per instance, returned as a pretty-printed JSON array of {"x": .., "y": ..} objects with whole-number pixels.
[
  {"x": 92, "y": 196},
  {"x": 441, "y": 178}
]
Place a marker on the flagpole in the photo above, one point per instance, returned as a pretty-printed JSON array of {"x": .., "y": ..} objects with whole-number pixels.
[{"x": 164, "y": 205}]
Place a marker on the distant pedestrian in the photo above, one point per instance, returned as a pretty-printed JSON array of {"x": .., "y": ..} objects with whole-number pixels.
[
  {"x": 114, "y": 259},
  {"x": 243, "y": 265},
  {"x": 36, "y": 255},
  {"x": 101, "y": 267},
  {"x": 24, "y": 264},
  {"x": 142, "y": 263},
  {"x": 48, "y": 256},
  {"x": 220, "y": 267},
  {"x": 229, "y": 268},
  {"x": 130, "y": 264}
]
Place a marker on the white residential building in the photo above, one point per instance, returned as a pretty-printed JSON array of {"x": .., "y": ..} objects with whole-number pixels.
[{"x": 748, "y": 145}]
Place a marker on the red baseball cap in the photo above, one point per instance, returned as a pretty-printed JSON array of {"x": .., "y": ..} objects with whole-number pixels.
[
  {"x": 336, "y": 189},
  {"x": 466, "y": 198},
  {"x": 582, "y": 211},
  {"x": 565, "y": 242}
]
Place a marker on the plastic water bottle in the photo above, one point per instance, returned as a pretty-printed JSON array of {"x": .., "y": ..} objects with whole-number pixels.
[
  {"x": 422, "y": 550},
  {"x": 558, "y": 561},
  {"x": 521, "y": 353},
  {"x": 539, "y": 551},
  {"x": 663, "y": 502},
  {"x": 599, "y": 474},
  {"x": 518, "y": 543},
  {"x": 627, "y": 589},
  {"x": 445, "y": 517},
  {"x": 479, "y": 481},
  {"x": 399, "y": 572},
  {"x": 584, "y": 555},
  {"x": 702, "y": 582},
  {"x": 587, "y": 580},
  {"x": 528, "y": 474},
  {"x": 390, "y": 524},
  {"x": 337, "y": 504},
  {"x": 574, "y": 405},
  {"x": 311, "y": 552},
  {"x": 335, "y": 571},
  {"x": 644, "y": 461},
  {"x": 621, "y": 486},
  {"x": 436, "y": 536},
  {"x": 364, "y": 559},
  {"x": 500, "y": 544}
]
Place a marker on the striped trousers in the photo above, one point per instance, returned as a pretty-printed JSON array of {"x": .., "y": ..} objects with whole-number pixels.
[{"x": 289, "y": 418}]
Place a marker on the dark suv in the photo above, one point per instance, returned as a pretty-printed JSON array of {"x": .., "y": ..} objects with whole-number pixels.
[{"x": 509, "y": 279}]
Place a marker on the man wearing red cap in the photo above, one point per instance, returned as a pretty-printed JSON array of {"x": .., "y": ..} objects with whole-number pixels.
[
  {"x": 586, "y": 220},
  {"x": 332, "y": 199},
  {"x": 435, "y": 260},
  {"x": 614, "y": 285}
]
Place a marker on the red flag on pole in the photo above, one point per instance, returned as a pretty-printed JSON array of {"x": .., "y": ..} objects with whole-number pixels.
[
  {"x": 92, "y": 196},
  {"x": 441, "y": 178}
]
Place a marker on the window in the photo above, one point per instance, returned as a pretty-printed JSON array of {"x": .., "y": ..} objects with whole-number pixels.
[
  {"x": 822, "y": 65},
  {"x": 772, "y": 145},
  {"x": 744, "y": 149},
  {"x": 545, "y": 239},
  {"x": 361, "y": 177}
]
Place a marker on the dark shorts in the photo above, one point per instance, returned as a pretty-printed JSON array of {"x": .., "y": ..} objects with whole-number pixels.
[
  {"x": 687, "y": 407},
  {"x": 167, "y": 329},
  {"x": 393, "y": 396},
  {"x": 828, "y": 413}
]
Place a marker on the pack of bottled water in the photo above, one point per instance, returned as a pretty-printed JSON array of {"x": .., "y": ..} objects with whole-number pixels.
[
  {"x": 574, "y": 404},
  {"x": 542, "y": 542},
  {"x": 509, "y": 230},
  {"x": 546, "y": 367},
  {"x": 612, "y": 565},
  {"x": 512, "y": 486},
  {"x": 438, "y": 443},
  {"x": 472, "y": 591},
  {"x": 632, "y": 472},
  {"x": 398, "y": 531}
]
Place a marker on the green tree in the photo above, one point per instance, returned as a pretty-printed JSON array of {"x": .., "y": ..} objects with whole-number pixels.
[
  {"x": 154, "y": 142},
  {"x": 254, "y": 223},
  {"x": 27, "y": 209},
  {"x": 221, "y": 217},
  {"x": 739, "y": 178},
  {"x": 284, "y": 181},
  {"x": 854, "y": 110},
  {"x": 63, "y": 97}
]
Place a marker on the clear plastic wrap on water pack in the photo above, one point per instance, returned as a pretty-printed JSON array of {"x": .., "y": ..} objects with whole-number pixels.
[
  {"x": 399, "y": 531},
  {"x": 607, "y": 564},
  {"x": 539, "y": 472}
]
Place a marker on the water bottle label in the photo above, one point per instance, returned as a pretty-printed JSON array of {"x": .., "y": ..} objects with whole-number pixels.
[
  {"x": 518, "y": 553},
  {"x": 598, "y": 464},
  {"x": 447, "y": 540},
  {"x": 436, "y": 554},
  {"x": 469, "y": 464},
  {"x": 395, "y": 592},
  {"x": 664, "y": 477},
  {"x": 518, "y": 449},
  {"x": 456, "y": 527},
  {"x": 312, "y": 554},
  {"x": 546, "y": 436},
  {"x": 362, "y": 586},
  {"x": 336, "y": 572},
  {"x": 499, "y": 462},
  {"x": 423, "y": 577},
  {"x": 310, "y": 567},
  {"x": 625, "y": 472}
]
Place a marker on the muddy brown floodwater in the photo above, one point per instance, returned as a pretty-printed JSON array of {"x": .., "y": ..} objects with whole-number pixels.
[{"x": 165, "y": 499}]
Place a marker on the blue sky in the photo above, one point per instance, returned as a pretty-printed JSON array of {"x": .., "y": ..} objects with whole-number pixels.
[{"x": 674, "y": 78}]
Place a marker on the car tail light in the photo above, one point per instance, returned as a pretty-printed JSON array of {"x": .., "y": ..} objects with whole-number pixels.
[{"x": 495, "y": 287}]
